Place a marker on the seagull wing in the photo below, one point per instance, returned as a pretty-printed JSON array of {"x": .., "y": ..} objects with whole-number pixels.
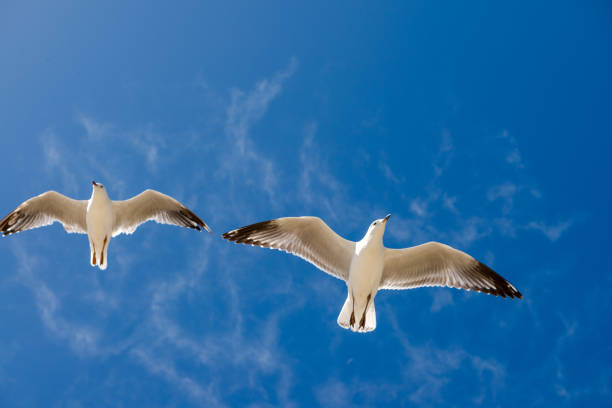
[
  {"x": 44, "y": 210},
  {"x": 307, "y": 237},
  {"x": 153, "y": 205},
  {"x": 436, "y": 264}
]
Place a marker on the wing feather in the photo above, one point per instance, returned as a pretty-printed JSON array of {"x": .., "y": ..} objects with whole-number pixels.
[
  {"x": 44, "y": 210},
  {"x": 307, "y": 237},
  {"x": 436, "y": 264},
  {"x": 153, "y": 205}
]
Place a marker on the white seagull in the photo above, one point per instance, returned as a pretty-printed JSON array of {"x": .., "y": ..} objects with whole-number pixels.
[
  {"x": 367, "y": 266},
  {"x": 99, "y": 217}
]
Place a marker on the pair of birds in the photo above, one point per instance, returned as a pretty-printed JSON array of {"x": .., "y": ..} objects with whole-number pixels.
[{"x": 365, "y": 266}]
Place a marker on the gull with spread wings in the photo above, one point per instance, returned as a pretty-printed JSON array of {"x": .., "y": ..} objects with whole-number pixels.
[
  {"x": 367, "y": 266},
  {"x": 99, "y": 217}
]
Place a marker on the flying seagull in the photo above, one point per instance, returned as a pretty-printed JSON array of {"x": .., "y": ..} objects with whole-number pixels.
[
  {"x": 367, "y": 266},
  {"x": 99, "y": 217}
]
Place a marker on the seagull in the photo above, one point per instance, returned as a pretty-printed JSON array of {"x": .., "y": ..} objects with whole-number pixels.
[
  {"x": 99, "y": 217},
  {"x": 367, "y": 266}
]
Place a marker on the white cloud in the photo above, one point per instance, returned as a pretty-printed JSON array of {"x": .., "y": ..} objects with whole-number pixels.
[
  {"x": 418, "y": 207},
  {"x": 159, "y": 341},
  {"x": 388, "y": 173},
  {"x": 222, "y": 351},
  {"x": 552, "y": 232},
  {"x": 506, "y": 226},
  {"x": 426, "y": 372},
  {"x": 467, "y": 228},
  {"x": 244, "y": 160},
  {"x": 428, "y": 369},
  {"x": 415, "y": 230},
  {"x": 94, "y": 130},
  {"x": 144, "y": 141},
  {"x": 166, "y": 369},
  {"x": 149, "y": 144},
  {"x": 443, "y": 158},
  {"x": 56, "y": 159},
  {"x": 320, "y": 190},
  {"x": 81, "y": 338},
  {"x": 506, "y": 192},
  {"x": 513, "y": 156},
  {"x": 441, "y": 299},
  {"x": 246, "y": 109},
  {"x": 449, "y": 203},
  {"x": 469, "y": 231},
  {"x": 333, "y": 393}
]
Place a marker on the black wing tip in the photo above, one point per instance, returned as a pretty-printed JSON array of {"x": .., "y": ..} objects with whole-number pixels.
[
  {"x": 243, "y": 235},
  {"x": 193, "y": 221},
  {"x": 6, "y": 227},
  {"x": 503, "y": 288},
  {"x": 6, "y": 230},
  {"x": 204, "y": 227}
]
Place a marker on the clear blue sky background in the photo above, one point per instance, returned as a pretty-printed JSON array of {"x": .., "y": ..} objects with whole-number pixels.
[{"x": 480, "y": 125}]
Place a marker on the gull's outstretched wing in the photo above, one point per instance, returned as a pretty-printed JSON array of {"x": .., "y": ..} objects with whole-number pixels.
[
  {"x": 45, "y": 209},
  {"x": 307, "y": 237},
  {"x": 436, "y": 264},
  {"x": 153, "y": 205}
]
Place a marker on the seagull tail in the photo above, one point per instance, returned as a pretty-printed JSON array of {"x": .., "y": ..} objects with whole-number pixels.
[
  {"x": 370, "y": 319},
  {"x": 344, "y": 318},
  {"x": 92, "y": 254},
  {"x": 99, "y": 258},
  {"x": 354, "y": 323},
  {"x": 102, "y": 262}
]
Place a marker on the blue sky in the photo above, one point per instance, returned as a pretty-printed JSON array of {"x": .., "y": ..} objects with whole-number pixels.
[{"x": 480, "y": 125}]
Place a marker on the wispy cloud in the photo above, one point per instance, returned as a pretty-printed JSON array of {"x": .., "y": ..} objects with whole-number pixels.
[
  {"x": 426, "y": 208},
  {"x": 144, "y": 140},
  {"x": 247, "y": 108},
  {"x": 509, "y": 193},
  {"x": 319, "y": 189},
  {"x": 244, "y": 110},
  {"x": 441, "y": 299},
  {"x": 150, "y": 143},
  {"x": 95, "y": 131},
  {"x": 159, "y": 342},
  {"x": 414, "y": 230},
  {"x": 449, "y": 203},
  {"x": 167, "y": 370},
  {"x": 425, "y": 378},
  {"x": 506, "y": 192},
  {"x": 81, "y": 338},
  {"x": 429, "y": 367},
  {"x": 388, "y": 173},
  {"x": 334, "y": 393},
  {"x": 418, "y": 207},
  {"x": 513, "y": 155},
  {"x": 552, "y": 232},
  {"x": 239, "y": 354},
  {"x": 55, "y": 159}
]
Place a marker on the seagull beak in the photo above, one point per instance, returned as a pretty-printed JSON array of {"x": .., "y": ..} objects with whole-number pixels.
[
  {"x": 94, "y": 183},
  {"x": 387, "y": 218}
]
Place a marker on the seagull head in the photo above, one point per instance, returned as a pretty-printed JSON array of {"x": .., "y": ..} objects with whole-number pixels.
[
  {"x": 97, "y": 186},
  {"x": 378, "y": 226}
]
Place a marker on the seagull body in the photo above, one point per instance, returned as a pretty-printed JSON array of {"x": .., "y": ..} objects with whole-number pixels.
[
  {"x": 367, "y": 266},
  {"x": 99, "y": 217},
  {"x": 364, "y": 277}
]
